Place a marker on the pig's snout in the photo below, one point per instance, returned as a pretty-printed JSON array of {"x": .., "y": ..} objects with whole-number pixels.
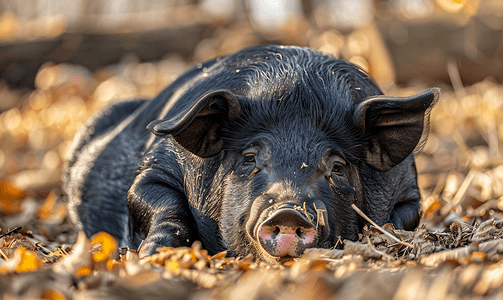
[{"x": 286, "y": 233}]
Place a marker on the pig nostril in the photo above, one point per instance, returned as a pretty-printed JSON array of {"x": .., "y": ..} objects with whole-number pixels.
[
  {"x": 300, "y": 233},
  {"x": 276, "y": 231}
]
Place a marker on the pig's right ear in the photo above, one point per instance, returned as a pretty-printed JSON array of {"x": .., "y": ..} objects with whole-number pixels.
[
  {"x": 197, "y": 127},
  {"x": 394, "y": 127}
]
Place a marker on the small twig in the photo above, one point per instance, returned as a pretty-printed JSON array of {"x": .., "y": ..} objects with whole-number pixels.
[
  {"x": 339, "y": 239},
  {"x": 308, "y": 215},
  {"x": 380, "y": 228},
  {"x": 320, "y": 219},
  {"x": 4, "y": 256},
  {"x": 44, "y": 250},
  {"x": 463, "y": 188},
  {"x": 62, "y": 251},
  {"x": 441, "y": 233},
  {"x": 457, "y": 84},
  {"x": 11, "y": 231}
]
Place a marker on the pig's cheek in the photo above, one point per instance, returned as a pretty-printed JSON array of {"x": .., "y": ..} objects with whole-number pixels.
[{"x": 236, "y": 208}]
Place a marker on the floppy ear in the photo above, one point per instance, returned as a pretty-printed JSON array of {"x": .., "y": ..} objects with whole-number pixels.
[
  {"x": 197, "y": 127},
  {"x": 394, "y": 127}
]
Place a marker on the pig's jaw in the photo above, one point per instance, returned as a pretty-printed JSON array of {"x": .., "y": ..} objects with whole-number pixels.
[{"x": 264, "y": 256}]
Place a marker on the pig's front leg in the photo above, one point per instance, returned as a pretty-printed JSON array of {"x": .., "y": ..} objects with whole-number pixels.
[
  {"x": 159, "y": 211},
  {"x": 167, "y": 229}
]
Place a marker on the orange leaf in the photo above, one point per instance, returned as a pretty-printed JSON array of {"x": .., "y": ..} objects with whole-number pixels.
[
  {"x": 44, "y": 211},
  {"x": 10, "y": 198},
  {"x": 318, "y": 265},
  {"x": 432, "y": 208},
  {"x": 219, "y": 255},
  {"x": 477, "y": 257},
  {"x": 29, "y": 261},
  {"x": 108, "y": 245},
  {"x": 289, "y": 263},
  {"x": 192, "y": 255},
  {"x": 53, "y": 295},
  {"x": 173, "y": 265},
  {"x": 110, "y": 265},
  {"x": 83, "y": 271},
  {"x": 10, "y": 191},
  {"x": 244, "y": 266}
]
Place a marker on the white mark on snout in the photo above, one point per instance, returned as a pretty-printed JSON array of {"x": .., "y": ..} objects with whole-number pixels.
[
  {"x": 270, "y": 201},
  {"x": 237, "y": 71}
]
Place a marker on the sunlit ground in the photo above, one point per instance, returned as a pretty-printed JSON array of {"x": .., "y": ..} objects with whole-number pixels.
[{"x": 455, "y": 254}]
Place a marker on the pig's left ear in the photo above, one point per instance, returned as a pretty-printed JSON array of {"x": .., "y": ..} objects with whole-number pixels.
[
  {"x": 394, "y": 127},
  {"x": 197, "y": 127}
]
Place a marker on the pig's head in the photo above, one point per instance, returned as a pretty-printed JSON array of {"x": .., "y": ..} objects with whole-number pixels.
[{"x": 298, "y": 136}]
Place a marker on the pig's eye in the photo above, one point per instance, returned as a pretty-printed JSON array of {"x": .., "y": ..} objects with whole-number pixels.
[
  {"x": 337, "y": 169},
  {"x": 337, "y": 165},
  {"x": 249, "y": 158}
]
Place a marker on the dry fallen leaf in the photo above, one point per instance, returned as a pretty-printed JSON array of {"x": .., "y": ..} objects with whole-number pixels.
[{"x": 10, "y": 199}]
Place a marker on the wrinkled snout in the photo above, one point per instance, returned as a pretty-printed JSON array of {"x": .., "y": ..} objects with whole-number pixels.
[{"x": 286, "y": 233}]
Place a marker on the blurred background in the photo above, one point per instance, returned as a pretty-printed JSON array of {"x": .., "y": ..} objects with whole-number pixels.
[{"x": 62, "y": 60}]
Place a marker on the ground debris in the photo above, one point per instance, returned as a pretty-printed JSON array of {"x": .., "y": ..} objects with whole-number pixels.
[
  {"x": 90, "y": 270},
  {"x": 455, "y": 254}
]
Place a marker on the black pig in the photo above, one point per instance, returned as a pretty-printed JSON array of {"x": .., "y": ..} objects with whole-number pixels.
[{"x": 259, "y": 152}]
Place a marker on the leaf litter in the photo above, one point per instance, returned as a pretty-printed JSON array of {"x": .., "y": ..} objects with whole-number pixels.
[{"x": 456, "y": 253}]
